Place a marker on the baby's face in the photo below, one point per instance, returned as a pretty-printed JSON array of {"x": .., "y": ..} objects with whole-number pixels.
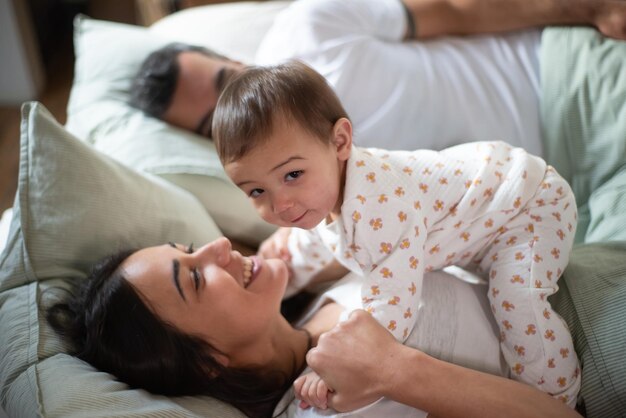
[{"x": 293, "y": 179}]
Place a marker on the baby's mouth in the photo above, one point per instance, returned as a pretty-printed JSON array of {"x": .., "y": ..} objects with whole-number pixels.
[{"x": 293, "y": 221}]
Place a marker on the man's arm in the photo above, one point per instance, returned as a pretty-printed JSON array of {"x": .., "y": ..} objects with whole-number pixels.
[
  {"x": 361, "y": 362},
  {"x": 465, "y": 17}
]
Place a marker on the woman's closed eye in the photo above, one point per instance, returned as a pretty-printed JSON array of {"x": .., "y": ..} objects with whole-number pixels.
[{"x": 195, "y": 274}]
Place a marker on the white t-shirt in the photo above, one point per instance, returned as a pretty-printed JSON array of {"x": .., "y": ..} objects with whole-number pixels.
[
  {"x": 419, "y": 94},
  {"x": 454, "y": 324}
]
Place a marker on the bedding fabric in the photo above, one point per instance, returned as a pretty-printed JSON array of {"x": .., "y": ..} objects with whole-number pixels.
[
  {"x": 592, "y": 300},
  {"x": 583, "y": 106},
  {"x": 75, "y": 205},
  {"x": 5, "y": 221}
]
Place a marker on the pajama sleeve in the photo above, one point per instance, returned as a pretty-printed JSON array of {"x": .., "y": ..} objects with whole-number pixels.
[
  {"x": 309, "y": 256},
  {"x": 386, "y": 236}
]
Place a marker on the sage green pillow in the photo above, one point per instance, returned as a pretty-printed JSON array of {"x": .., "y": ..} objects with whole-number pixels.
[
  {"x": 73, "y": 206},
  {"x": 607, "y": 210},
  {"x": 583, "y": 114}
]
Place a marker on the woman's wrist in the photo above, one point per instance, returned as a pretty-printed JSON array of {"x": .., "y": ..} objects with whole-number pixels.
[{"x": 405, "y": 367}]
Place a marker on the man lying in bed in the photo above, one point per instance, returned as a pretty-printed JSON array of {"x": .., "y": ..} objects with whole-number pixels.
[
  {"x": 524, "y": 87},
  {"x": 427, "y": 94}
]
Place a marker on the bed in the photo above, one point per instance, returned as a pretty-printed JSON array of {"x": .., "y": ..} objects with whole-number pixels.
[{"x": 113, "y": 177}]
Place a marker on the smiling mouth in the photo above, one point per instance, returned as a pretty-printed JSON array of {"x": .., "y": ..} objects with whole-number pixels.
[
  {"x": 299, "y": 217},
  {"x": 251, "y": 267}
]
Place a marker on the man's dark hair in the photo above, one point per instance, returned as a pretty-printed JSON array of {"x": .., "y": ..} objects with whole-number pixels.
[{"x": 153, "y": 86}]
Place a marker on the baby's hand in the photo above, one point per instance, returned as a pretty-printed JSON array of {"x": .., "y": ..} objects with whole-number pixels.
[
  {"x": 276, "y": 246},
  {"x": 312, "y": 391}
]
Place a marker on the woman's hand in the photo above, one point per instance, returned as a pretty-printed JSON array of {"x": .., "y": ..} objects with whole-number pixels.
[
  {"x": 355, "y": 359},
  {"x": 361, "y": 362}
]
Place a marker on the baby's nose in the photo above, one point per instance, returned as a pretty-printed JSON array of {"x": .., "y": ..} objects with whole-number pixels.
[{"x": 282, "y": 203}]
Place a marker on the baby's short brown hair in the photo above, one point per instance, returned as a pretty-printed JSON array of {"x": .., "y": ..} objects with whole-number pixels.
[{"x": 259, "y": 97}]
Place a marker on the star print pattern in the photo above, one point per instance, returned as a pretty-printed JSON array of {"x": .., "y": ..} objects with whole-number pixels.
[{"x": 483, "y": 206}]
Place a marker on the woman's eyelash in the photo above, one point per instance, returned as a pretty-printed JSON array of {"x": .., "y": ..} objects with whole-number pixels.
[
  {"x": 194, "y": 272},
  {"x": 196, "y": 278}
]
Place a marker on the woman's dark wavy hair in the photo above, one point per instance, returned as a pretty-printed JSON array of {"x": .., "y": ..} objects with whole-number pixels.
[
  {"x": 108, "y": 325},
  {"x": 153, "y": 87}
]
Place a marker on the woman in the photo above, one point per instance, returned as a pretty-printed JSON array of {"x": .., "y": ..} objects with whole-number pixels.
[{"x": 181, "y": 322}]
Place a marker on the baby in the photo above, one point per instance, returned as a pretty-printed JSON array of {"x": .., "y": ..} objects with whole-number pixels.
[{"x": 286, "y": 141}]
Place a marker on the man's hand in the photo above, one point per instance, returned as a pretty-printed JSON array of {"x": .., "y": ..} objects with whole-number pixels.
[
  {"x": 355, "y": 359},
  {"x": 466, "y": 17},
  {"x": 610, "y": 19}
]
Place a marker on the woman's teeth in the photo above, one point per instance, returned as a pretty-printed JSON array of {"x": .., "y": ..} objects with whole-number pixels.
[{"x": 248, "y": 265}]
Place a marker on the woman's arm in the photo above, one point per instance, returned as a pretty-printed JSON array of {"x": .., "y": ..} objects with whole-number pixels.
[
  {"x": 466, "y": 17},
  {"x": 362, "y": 362}
]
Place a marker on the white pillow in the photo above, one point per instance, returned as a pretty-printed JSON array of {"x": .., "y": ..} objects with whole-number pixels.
[
  {"x": 5, "y": 221},
  {"x": 75, "y": 205},
  {"x": 108, "y": 55}
]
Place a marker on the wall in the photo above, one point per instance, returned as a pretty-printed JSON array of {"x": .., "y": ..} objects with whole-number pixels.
[{"x": 21, "y": 72}]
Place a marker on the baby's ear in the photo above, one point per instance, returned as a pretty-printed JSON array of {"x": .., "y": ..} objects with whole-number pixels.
[{"x": 342, "y": 136}]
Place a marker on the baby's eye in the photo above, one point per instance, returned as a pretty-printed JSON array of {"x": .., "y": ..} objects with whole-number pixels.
[
  {"x": 293, "y": 175},
  {"x": 255, "y": 193}
]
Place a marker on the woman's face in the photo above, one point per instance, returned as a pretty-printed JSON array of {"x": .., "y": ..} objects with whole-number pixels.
[{"x": 215, "y": 293}]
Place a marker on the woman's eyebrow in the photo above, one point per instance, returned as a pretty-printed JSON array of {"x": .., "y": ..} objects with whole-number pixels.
[{"x": 175, "y": 271}]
